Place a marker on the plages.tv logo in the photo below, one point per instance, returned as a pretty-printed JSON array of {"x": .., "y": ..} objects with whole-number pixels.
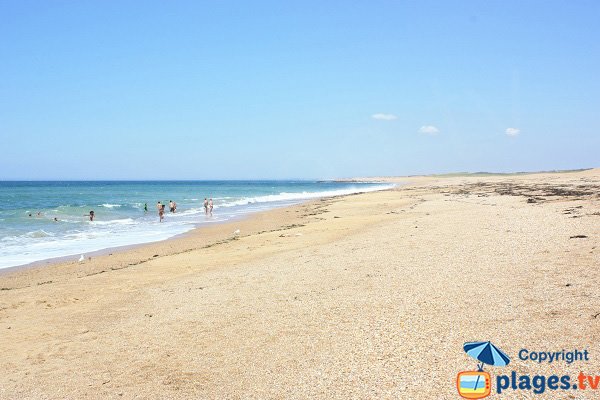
[{"x": 478, "y": 384}]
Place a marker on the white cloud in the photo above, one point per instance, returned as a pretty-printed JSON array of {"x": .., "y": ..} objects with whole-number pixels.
[
  {"x": 429, "y": 130},
  {"x": 384, "y": 117},
  {"x": 512, "y": 131}
]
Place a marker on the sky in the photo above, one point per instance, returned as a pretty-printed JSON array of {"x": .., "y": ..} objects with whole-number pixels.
[{"x": 296, "y": 89}]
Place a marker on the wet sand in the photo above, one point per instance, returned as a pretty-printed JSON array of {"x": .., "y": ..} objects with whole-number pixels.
[{"x": 366, "y": 296}]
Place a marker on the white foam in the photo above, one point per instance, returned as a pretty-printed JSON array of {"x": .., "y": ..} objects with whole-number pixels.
[
  {"x": 40, "y": 233},
  {"x": 284, "y": 196},
  {"x": 188, "y": 212},
  {"x": 110, "y": 205},
  {"x": 124, "y": 221}
]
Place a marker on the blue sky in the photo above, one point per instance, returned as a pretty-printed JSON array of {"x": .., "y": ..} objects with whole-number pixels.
[{"x": 311, "y": 89}]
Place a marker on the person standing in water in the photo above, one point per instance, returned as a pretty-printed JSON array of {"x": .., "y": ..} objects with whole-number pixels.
[
  {"x": 205, "y": 206},
  {"x": 171, "y": 206},
  {"x": 145, "y": 207},
  {"x": 91, "y": 215},
  {"x": 161, "y": 211},
  {"x": 210, "y": 206}
]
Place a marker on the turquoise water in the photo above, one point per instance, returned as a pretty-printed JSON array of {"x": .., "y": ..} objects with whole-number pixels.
[{"x": 119, "y": 208}]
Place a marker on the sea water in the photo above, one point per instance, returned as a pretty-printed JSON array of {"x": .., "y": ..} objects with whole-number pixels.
[{"x": 30, "y": 233}]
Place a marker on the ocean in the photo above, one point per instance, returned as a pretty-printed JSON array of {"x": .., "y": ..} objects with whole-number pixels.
[{"x": 30, "y": 233}]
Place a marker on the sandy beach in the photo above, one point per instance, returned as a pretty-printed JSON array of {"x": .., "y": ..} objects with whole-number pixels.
[{"x": 367, "y": 296}]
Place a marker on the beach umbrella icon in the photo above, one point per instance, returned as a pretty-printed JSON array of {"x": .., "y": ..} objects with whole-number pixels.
[{"x": 486, "y": 353}]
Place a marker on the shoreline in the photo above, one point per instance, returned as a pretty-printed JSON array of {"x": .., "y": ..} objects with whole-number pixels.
[
  {"x": 109, "y": 251},
  {"x": 368, "y": 295},
  {"x": 133, "y": 238},
  {"x": 133, "y": 254}
]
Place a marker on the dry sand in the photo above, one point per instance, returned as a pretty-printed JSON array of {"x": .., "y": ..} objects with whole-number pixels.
[{"x": 367, "y": 296}]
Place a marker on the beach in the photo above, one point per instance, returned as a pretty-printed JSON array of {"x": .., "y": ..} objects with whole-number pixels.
[{"x": 364, "y": 296}]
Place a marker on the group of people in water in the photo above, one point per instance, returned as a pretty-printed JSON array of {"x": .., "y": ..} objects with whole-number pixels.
[
  {"x": 91, "y": 215},
  {"x": 208, "y": 210},
  {"x": 160, "y": 207}
]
